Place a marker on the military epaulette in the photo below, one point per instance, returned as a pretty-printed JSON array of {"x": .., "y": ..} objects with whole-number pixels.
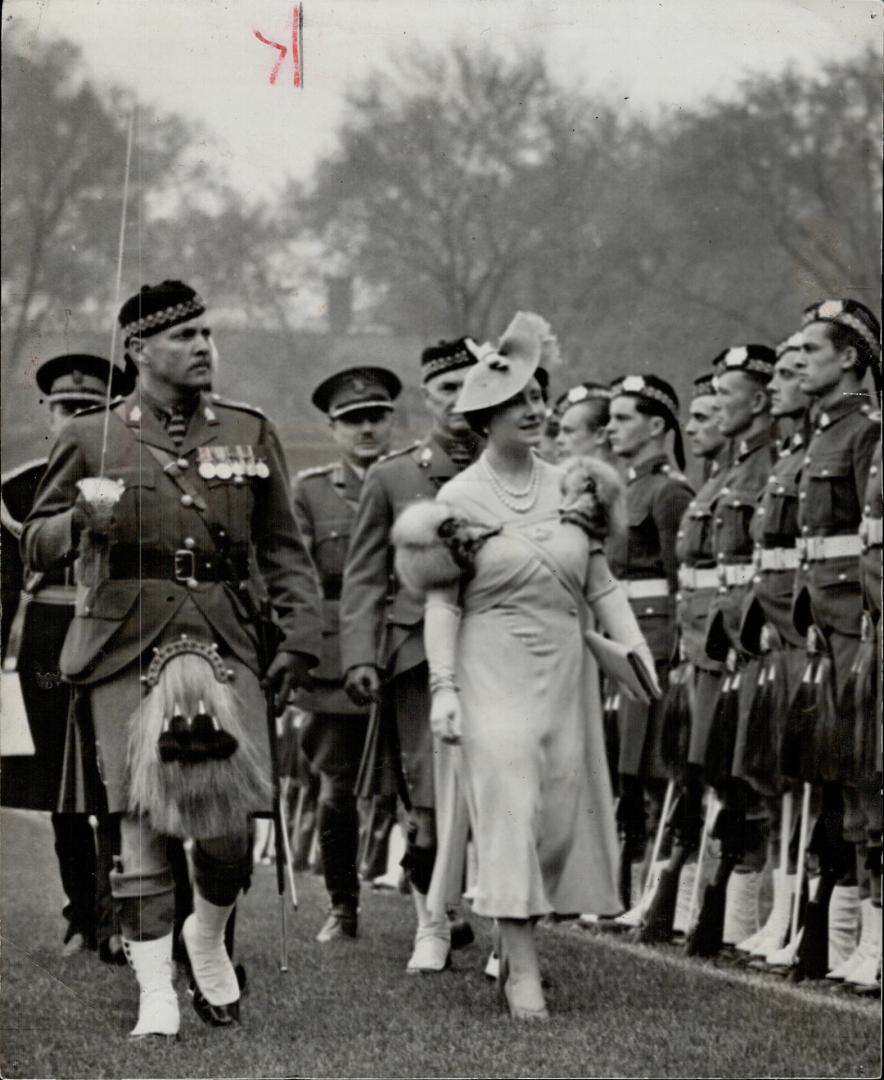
[
  {"x": 241, "y": 406},
  {"x": 398, "y": 453},
  {"x": 673, "y": 474},
  {"x": 314, "y": 470}
]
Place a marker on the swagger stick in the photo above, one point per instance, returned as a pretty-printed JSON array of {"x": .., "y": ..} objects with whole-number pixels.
[{"x": 119, "y": 279}]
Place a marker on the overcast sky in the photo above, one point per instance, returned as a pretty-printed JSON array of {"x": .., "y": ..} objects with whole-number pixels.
[{"x": 201, "y": 57}]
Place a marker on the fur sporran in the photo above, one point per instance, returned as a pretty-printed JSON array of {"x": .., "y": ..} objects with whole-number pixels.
[{"x": 193, "y": 798}]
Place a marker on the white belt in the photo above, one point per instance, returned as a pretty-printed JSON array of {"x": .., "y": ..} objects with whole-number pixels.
[
  {"x": 646, "y": 589},
  {"x": 691, "y": 578},
  {"x": 872, "y": 530},
  {"x": 776, "y": 559},
  {"x": 735, "y": 574},
  {"x": 819, "y": 548}
]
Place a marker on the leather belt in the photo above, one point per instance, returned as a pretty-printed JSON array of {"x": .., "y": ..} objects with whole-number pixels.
[
  {"x": 872, "y": 531},
  {"x": 646, "y": 588},
  {"x": 776, "y": 559},
  {"x": 820, "y": 548},
  {"x": 184, "y": 565},
  {"x": 732, "y": 575},
  {"x": 689, "y": 577}
]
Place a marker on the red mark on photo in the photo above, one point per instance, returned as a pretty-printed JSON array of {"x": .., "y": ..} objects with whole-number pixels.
[{"x": 297, "y": 49}]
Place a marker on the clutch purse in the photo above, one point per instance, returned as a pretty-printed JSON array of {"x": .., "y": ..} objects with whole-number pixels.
[{"x": 626, "y": 666}]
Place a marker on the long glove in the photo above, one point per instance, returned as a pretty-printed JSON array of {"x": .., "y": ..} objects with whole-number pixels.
[
  {"x": 441, "y": 622},
  {"x": 617, "y": 619}
]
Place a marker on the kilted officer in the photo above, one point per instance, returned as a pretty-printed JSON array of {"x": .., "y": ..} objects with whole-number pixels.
[
  {"x": 37, "y": 610},
  {"x": 178, "y": 523},
  {"x": 729, "y": 909},
  {"x": 382, "y": 630},
  {"x": 841, "y": 343},
  {"x": 359, "y": 404},
  {"x": 643, "y": 410}
]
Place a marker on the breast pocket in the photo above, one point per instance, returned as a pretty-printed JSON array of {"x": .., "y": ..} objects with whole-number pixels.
[
  {"x": 330, "y": 542},
  {"x": 138, "y": 519},
  {"x": 781, "y": 508},
  {"x": 733, "y": 517},
  {"x": 233, "y": 501},
  {"x": 826, "y": 473}
]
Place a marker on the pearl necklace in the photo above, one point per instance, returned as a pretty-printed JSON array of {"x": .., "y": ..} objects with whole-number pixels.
[{"x": 519, "y": 501}]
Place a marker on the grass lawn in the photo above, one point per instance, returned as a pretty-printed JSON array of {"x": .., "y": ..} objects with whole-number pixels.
[{"x": 349, "y": 1009}]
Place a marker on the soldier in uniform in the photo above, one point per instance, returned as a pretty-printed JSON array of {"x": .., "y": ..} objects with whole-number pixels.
[
  {"x": 382, "y": 625},
  {"x": 841, "y": 343},
  {"x": 697, "y": 587},
  {"x": 359, "y": 406},
  {"x": 34, "y": 628},
  {"x": 767, "y": 629},
  {"x": 643, "y": 410},
  {"x": 175, "y": 519},
  {"x": 729, "y": 910},
  {"x": 583, "y": 420}
]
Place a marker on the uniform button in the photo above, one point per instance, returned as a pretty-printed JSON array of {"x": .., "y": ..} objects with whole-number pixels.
[
  {"x": 680, "y": 534},
  {"x": 760, "y": 511},
  {"x": 238, "y": 480},
  {"x": 189, "y": 543},
  {"x": 721, "y": 556},
  {"x": 781, "y": 491},
  {"x": 824, "y": 472},
  {"x": 333, "y": 534},
  {"x": 649, "y": 611},
  {"x": 187, "y": 500},
  {"x": 192, "y": 583},
  {"x": 719, "y": 521},
  {"x": 842, "y": 577},
  {"x": 873, "y": 471},
  {"x": 87, "y": 610},
  {"x": 805, "y": 529},
  {"x": 182, "y": 463},
  {"x": 803, "y": 496}
]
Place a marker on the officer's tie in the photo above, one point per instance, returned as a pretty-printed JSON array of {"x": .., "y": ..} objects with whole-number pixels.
[{"x": 176, "y": 426}]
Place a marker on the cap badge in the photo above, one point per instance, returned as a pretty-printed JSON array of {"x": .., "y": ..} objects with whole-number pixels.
[
  {"x": 633, "y": 384},
  {"x": 577, "y": 394},
  {"x": 831, "y": 309},
  {"x": 735, "y": 358},
  {"x": 77, "y": 377}
]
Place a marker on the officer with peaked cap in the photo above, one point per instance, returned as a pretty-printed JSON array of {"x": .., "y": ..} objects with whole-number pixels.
[
  {"x": 643, "y": 411},
  {"x": 729, "y": 909},
  {"x": 841, "y": 344},
  {"x": 697, "y": 586},
  {"x": 358, "y": 402},
  {"x": 382, "y": 628},
  {"x": 34, "y": 626},
  {"x": 189, "y": 523}
]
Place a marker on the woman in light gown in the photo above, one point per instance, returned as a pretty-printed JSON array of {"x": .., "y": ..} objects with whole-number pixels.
[{"x": 514, "y": 686}]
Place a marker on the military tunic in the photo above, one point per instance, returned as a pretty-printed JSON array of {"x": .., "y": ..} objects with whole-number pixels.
[
  {"x": 697, "y": 588},
  {"x": 325, "y": 501},
  {"x": 733, "y": 512},
  {"x": 645, "y": 561},
  {"x": 381, "y": 622},
  {"x": 870, "y": 570},
  {"x": 198, "y": 536}
]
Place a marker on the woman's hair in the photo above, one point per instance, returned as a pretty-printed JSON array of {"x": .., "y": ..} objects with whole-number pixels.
[{"x": 480, "y": 419}]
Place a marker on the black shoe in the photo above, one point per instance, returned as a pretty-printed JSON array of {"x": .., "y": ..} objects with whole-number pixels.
[
  {"x": 215, "y": 1015},
  {"x": 341, "y": 922},
  {"x": 461, "y": 933}
]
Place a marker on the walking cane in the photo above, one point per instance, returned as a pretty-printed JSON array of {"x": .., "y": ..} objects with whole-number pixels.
[{"x": 283, "y": 801}]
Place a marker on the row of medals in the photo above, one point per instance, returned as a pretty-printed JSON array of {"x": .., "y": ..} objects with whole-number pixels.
[{"x": 230, "y": 463}]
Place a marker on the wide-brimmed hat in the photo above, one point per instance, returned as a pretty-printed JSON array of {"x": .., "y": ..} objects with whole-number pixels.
[{"x": 502, "y": 371}]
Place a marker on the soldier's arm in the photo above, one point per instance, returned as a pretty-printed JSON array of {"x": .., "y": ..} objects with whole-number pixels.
[
  {"x": 51, "y": 532},
  {"x": 668, "y": 510},
  {"x": 283, "y": 559},
  {"x": 864, "y": 447},
  {"x": 303, "y": 514},
  {"x": 364, "y": 592}
]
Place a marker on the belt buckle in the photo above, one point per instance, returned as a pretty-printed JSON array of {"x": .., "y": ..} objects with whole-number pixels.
[
  {"x": 801, "y": 548},
  {"x": 816, "y": 548},
  {"x": 184, "y": 558}
]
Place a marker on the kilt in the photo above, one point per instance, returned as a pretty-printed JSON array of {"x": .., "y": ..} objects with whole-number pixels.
[{"x": 107, "y": 710}]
